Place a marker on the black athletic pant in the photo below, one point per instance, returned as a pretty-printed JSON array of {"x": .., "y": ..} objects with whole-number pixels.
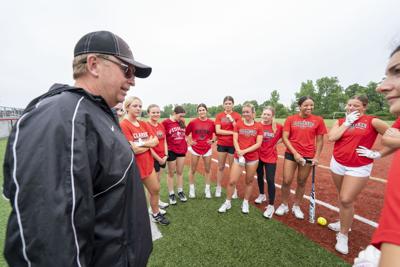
[{"x": 270, "y": 169}]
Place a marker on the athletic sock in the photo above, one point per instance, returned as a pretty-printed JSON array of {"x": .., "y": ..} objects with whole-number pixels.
[
  {"x": 207, "y": 187},
  {"x": 171, "y": 192},
  {"x": 191, "y": 186},
  {"x": 180, "y": 189},
  {"x": 227, "y": 201}
]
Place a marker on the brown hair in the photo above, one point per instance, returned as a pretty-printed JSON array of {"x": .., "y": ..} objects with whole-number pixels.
[
  {"x": 202, "y": 105},
  {"x": 362, "y": 98},
  {"x": 228, "y": 98},
  {"x": 152, "y": 106}
]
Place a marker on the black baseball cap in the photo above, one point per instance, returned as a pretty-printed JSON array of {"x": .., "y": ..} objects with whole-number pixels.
[{"x": 105, "y": 42}]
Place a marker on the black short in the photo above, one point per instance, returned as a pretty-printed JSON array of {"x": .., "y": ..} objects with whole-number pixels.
[
  {"x": 158, "y": 166},
  {"x": 172, "y": 155},
  {"x": 226, "y": 149},
  {"x": 290, "y": 156}
]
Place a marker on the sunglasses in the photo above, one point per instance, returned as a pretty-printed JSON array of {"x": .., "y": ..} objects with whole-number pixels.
[{"x": 129, "y": 71}]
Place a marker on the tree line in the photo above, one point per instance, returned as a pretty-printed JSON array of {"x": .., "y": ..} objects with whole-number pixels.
[{"x": 329, "y": 96}]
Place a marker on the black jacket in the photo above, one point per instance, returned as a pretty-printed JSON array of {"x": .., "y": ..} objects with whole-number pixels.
[{"x": 76, "y": 194}]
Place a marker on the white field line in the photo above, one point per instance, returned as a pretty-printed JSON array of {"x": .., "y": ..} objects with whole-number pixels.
[{"x": 319, "y": 202}]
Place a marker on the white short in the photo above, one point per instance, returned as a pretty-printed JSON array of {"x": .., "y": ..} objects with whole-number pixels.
[
  {"x": 363, "y": 171},
  {"x": 207, "y": 154},
  {"x": 248, "y": 162}
]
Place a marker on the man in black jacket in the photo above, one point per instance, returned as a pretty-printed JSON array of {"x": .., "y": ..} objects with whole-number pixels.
[{"x": 70, "y": 174}]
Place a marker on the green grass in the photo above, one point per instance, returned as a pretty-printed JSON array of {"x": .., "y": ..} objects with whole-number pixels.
[
  {"x": 199, "y": 236},
  {"x": 5, "y": 207}
]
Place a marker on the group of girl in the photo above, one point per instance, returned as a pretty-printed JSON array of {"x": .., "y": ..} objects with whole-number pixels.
[{"x": 251, "y": 146}]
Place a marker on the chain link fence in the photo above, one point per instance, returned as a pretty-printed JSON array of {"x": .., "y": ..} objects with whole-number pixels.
[{"x": 8, "y": 118}]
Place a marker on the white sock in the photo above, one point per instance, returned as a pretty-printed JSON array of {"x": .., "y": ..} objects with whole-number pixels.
[
  {"x": 207, "y": 187},
  {"x": 171, "y": 192},
  {"x": 191, "y": 186},
  {"x": 180, "y": 189},
  {"x": 227, "y": 201},
  {"x": 245, "y": 201}
]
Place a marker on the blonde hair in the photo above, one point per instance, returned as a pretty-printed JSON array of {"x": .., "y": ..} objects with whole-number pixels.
[
  {"x": 270, "y": 108},
  {"x": 249, "y": 105},
  {"x": 79, "y": 66},
  {"x": 128, "y": 101}
]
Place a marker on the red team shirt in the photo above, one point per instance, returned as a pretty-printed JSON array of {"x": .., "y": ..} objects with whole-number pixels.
[
  {"x": 159, "y": 131},
  {"x": 226, "y": 124},
  {"x": 396, "y": 124},
  {"x": 268, "y": 152},
  {"x": 389, "y": 223},
  {"x": 247, "y": 136},
  {"x": 360, "y": 133},
  {"x": 202, "y": 131},
  {"x": 132, "y": 133},
  {"x": 302, "y": 133},
  {"x": 175, "y": 137}
]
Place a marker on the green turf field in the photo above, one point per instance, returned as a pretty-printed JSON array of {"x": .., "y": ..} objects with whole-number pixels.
[
  {"x": 4, "y": 204},
  {"x": 199, "y": 236}
]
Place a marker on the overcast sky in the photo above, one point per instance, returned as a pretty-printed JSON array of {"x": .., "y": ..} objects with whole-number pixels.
[{"x": 201, "y": 51}]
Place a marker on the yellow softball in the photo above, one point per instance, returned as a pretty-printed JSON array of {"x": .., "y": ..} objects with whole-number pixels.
[{"x": 322, "y": 221}]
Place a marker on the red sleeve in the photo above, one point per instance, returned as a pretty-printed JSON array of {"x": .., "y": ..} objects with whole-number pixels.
[
  {"x": 188, "y": 129},
  {"x": 126, "y": 130},
  {"x": 164, "y": 124},
  {"x": 218, "y": 119},
  {"x": 321, "y": 130},
  {"x": 279, "y": 129},
  {"x": 148, "y": 128},
  {"x": 237, "y": 116},
  {"x": 388, "y": 230},
  {"x": 259, "y": 129},
  {"x": 396, "y": 124},
  {"x": 286, "y": 126},
  {"x": 236, "y": 128},
  {"x": 213, "y": 126}
]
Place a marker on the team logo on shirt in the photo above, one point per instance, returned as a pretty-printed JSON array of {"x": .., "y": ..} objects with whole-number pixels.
[
  {"x": 177, "y": 133},
  {"x": 359, "y": 125},
  {"x": 248, "y": 132},
  {"x": 202, "y": 133},
  {"x": 304, "y": 124},
  {"x": 159, "y": 134},
  {"x": 143, "y": 135},
  {"x": 267, "y": 136}
]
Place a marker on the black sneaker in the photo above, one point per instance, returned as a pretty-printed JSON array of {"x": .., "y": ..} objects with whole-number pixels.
[
  {"x": 172, "y": 199},
  {"x": 182, "y": 196},
  {"x": 159, "y": 218}
]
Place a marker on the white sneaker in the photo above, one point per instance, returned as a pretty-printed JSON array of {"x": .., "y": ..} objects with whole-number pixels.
[
  {"x": 245, "y": 207},
  {"x": 269, "y": 212},
  {"x": 218, "y": 191},
  {"x": 342, "y": 243},
  {"x": 226, "y": 206},
  {"x": 260, "y": 199},
  {"x": 208, "y": 193},
  {"x": 161, "y": 211},
  {"x": 335, "y": 226},
  {"x": 192, "y": 193},
  {"x": 235, "y": 195},
  {"x": 282, "y": 209},
  {"x": 297, "y": 212},
  {"x": 162, "y": 204}
]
